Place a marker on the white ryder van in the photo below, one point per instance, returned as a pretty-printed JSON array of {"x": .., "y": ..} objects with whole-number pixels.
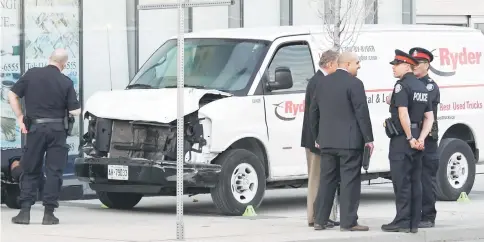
[{"x": 244, "y": 106}]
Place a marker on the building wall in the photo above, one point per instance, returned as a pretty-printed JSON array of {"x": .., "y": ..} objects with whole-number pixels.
[
  {"x": 450, "y": 7},
  {"x": 105, "y": 49},
  {"x": 156, "y": 26},
  {"x": 390, "y": 11},
  {"x": 462, "y": 13}
]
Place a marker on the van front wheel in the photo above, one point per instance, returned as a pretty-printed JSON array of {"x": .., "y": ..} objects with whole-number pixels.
[
  {"x": 457, "y": 169},
  {"x": 241, "y": 183},
  {"x": 119, "y": 200}
]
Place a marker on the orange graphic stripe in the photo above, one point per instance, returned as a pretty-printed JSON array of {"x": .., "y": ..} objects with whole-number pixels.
[{"x": 441, "y": 87}]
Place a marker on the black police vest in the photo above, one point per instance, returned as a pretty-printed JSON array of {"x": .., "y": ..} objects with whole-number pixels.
[
  {"x": 418, "y": 98},
  {"x": 433, "y": 90}
]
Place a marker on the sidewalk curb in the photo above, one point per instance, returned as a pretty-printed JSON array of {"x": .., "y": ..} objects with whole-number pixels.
[{"x": 459, "y": 233}]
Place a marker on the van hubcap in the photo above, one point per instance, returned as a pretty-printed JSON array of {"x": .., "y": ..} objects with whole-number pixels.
[
  {"x": 244, "y": 183},
  {"x": 457, "y": 170}
]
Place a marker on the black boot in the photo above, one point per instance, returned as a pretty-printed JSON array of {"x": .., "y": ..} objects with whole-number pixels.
[
  {"x": 23, "y": 216},
  {"x": 49, "y": 218}
]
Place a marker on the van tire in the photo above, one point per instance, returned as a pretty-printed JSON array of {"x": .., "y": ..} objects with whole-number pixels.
[
  {"x": 119, "y": 200},
  {"x": 244, "y": 163},
  {"x": 460, "y": 151}
]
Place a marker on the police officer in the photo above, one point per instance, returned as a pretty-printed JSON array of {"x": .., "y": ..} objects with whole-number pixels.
[
  {"x": 430, "y": 159},
  {"x": 48, "y": 96},
  {"x": 409, "y": 106}
]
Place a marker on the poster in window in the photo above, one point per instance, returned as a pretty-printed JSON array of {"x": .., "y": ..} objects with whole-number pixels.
[
  {"x": 52, "y": 24},
  {"x": 10, "y": 70}
]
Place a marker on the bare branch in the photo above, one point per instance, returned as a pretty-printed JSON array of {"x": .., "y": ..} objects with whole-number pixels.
[{"x": 342, "y": 24}]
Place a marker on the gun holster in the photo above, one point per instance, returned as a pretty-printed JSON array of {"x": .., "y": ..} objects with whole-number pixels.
[
  {"x": 390, "y": 128},
  {"x": 434, "y": 132},
  {"x": 69, "y": 124},
  {"x": 27, "y": 121}
]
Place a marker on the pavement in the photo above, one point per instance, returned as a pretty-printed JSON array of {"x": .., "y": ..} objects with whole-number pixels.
[{"x": 281, "y": 218}]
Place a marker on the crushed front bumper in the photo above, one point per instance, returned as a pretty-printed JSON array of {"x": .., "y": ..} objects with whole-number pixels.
[{"x": 143, "y": 176}]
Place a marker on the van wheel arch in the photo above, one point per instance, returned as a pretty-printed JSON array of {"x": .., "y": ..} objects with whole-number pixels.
[
  {"x": 241, "y": 182},
  {"x": 255, "y": 146},
  {"x": 458, "y": 142},
  {"x": 463, "y": 132}
]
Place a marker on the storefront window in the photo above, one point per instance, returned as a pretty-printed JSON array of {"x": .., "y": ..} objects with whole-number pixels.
[
  {"x": 10, "y": 70},
  {"x": 52, "y": 24}
]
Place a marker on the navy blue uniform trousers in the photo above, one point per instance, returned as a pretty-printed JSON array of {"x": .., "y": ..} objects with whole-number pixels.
[
  {"x": 406, "y": 172},
  {"x": 429, "y": 172},
  {"x": 47, "y": 139}
]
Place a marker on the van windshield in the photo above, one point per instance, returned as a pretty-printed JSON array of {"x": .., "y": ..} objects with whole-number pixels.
[{"x": 221, "y": 64}]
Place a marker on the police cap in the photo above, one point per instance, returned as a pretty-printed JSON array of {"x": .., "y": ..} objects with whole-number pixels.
[
  {"x": 402, "y": 57},
  {"x": 421, "y": 54}
]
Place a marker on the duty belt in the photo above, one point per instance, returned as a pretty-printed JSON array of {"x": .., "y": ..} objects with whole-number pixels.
[
  {"x": 47, "y": 120},
  {"x": 414, "y": 125}
]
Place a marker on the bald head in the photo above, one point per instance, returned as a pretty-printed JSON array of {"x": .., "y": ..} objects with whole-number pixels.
[
  {"x": 59, "y": 58},
  {"x": 346, "y": 57},
  {"x": 350, "y": 62}
]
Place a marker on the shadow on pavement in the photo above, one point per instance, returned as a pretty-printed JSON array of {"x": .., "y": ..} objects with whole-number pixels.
[{"x": 275, "y": 201}]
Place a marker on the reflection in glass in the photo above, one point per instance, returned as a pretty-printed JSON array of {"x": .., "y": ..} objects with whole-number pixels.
[
  {"x": 9, "y": 74},
  {"x": 52, "y": 24},
  {"x": 220, "y": 64}
]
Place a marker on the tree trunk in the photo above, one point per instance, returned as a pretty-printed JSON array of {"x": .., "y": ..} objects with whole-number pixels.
[{"x": 337, "y": 25}]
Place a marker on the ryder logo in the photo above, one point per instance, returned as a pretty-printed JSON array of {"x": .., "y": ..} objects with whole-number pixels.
[
  {"x": 453, "y": 59},
  {"x": 288, "y": 110}
]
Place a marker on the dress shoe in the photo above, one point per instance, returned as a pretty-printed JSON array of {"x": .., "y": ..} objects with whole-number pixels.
[
  {"x": 333, "y": 223},
  {"x": 394, "y": 228},
  {"x": 319, "y": 227},
  {"x": 426, "y": 224},
  {"x": 310, "y": 224},
  {"x": 357, "y": 227}
]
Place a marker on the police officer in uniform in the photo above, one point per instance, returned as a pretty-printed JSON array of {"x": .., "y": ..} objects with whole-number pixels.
[
  {"x": 409, "y": 106},
  {"x": 430, "y": 159},
  {"x": 49, "y": 96}
]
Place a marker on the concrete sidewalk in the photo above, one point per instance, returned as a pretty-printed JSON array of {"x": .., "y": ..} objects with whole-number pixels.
[{"x": 281, "y": 218}]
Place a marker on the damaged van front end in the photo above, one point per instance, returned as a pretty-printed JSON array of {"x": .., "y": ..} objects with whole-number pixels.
[{"x": 131, "y": 141}]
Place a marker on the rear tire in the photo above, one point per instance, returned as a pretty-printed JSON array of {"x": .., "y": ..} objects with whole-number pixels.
[
  {"x": 119, "y": 200},
  {"x": 457, "y": 169},
  {"x": 242, "y": 182}
]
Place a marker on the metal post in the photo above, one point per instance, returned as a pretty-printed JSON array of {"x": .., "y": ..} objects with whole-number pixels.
[
  {"x": 181, "y": 5},
  {"x": 409, "y": 11},
  {"x": 179, "y": 122}
]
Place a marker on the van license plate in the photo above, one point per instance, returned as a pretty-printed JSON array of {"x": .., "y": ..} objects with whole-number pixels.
[{"x": 117, "y": 172}]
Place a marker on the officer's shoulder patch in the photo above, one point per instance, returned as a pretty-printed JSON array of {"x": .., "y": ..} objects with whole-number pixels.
[{"x": 398, "y": 88}]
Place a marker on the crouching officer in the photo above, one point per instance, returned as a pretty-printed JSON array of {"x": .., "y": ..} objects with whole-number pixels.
[
  {"x": 48, "y": 94},
  {"x": 409, "y": 106},
  {"x": 430, "y": 160}
]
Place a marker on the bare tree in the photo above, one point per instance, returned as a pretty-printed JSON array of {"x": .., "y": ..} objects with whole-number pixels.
[
  {"x": 343, "y": 19},
  {"x": 342, "y": 22}
]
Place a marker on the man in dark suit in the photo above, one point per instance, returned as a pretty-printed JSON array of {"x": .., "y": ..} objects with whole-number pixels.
[
  {"x": 343, "y": 131},
  {"x": 328, "y": 64}
]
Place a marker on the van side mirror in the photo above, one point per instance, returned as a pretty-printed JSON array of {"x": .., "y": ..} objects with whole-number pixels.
[{"x": 282, "y": 80}]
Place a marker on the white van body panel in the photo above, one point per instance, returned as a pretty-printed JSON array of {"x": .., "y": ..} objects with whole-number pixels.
[
  {"x": 251, "y": 138},
  {"x": 155, "y": 105},
  {"x": 458, "y": 52}
]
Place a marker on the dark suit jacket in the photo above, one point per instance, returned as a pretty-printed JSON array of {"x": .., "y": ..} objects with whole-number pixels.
[
  {"x": 307, "y": 137},
  {"x": 340, "y": 101}
]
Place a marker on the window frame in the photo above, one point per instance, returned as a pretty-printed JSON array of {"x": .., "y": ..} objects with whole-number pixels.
[{"x": 262, "y": 90}]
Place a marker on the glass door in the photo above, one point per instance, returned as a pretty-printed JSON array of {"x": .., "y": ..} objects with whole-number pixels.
[{"x": 477, "y": 22}]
